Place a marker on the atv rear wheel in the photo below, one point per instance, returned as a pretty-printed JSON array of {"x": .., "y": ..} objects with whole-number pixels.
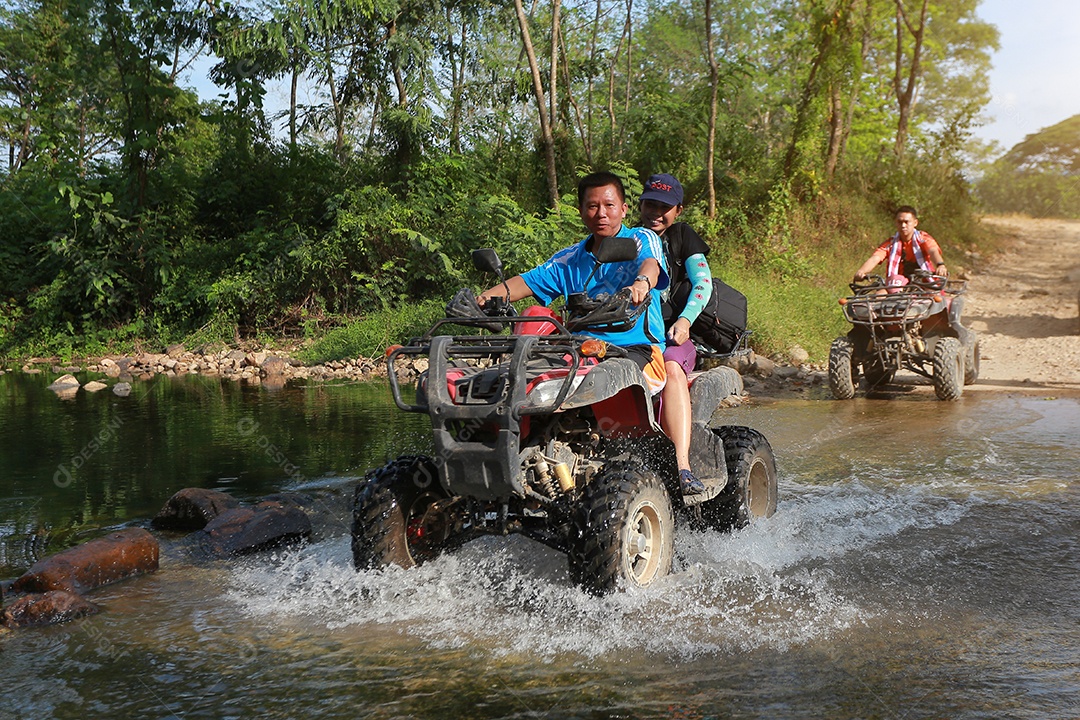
[
  {"x": 623, "y": 531},
  {"x": 948, "y": 368},
  {"x": 841, "y": 369},
  {"x": 751, "y": 491},
  {"x": 971, "y": 365},
  {"x": 400, "y": 515}
]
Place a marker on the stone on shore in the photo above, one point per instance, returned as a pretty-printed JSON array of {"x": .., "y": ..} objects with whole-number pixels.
[
  {"x": 246, "y": 529},
  {"x": 273, "y": 366},
  {"x": 117, "y": 556},
  {"x": 193, "y": 508},
  {"x": 49, "y": 608}
]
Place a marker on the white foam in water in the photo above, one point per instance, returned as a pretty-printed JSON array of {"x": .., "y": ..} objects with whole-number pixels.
[{"x": 778, "y": 583}]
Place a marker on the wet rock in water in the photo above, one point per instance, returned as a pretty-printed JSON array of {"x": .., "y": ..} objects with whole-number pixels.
[
  {"x": 192, "y": 508},
  {"x": 117, "y": 556},
  {"x": 122, "y": 389},
  {"x": 94, "y": 385},
  {"x": 49, "y": 608},
  {"x": 66, "y": 385},
  {"x": 246, "y": 529}
]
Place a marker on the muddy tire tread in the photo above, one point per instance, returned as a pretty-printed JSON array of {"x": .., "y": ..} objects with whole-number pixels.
[
  {"x": 841, "y": 370},
  {"x": 378, "y": 523},
  {"x": 948, "y": 368},
  {"x": 730, "y": 509},
  {"x": 595, "y": 554}
]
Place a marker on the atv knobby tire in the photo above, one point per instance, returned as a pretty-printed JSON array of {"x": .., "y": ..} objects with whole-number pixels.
[
  {"x": 623, "y": 530},
  {"x": 971, "y": 365},
  {"x": 841, "y": 369},
  {"x": 751, "y": 491},
  {"x": 394, "y": 521},
  {"x": 948, "y": 368}
]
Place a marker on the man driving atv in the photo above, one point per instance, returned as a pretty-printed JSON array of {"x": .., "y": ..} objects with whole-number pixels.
[
  {"x": 907, "y": 251},
  {"x": 602, "y": 206}
]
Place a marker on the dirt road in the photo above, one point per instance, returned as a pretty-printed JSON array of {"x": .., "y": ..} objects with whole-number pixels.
[{"x": 1024, "y": 305}]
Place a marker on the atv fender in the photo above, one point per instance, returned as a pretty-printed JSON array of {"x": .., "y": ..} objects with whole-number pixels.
[
  {"x": 710, "y": 388},
  {"x": 956, "y": 308},
  {"x": 617, "y": 390}
]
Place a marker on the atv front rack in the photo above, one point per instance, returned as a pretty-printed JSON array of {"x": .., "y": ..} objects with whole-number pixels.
[{"x": 477, "y": 438}]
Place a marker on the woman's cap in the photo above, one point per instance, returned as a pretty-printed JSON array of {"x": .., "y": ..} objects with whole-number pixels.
[{"x": 663, "y": 188}]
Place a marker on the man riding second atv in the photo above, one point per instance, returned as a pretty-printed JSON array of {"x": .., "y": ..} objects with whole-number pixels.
[
  {"x": 602, "y": 206},
  {"x": 907, "y": 251}
]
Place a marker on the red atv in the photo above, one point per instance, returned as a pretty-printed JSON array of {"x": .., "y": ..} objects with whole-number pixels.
[
  {"x": 913, "y": 326},
  {"x": 553, "y": 434}
]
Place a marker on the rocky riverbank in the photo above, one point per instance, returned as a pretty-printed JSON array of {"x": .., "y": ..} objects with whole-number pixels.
[{"x": 762, "y": 375}]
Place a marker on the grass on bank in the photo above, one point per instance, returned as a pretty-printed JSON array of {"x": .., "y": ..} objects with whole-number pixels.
[{"x": 792, "y": 279}]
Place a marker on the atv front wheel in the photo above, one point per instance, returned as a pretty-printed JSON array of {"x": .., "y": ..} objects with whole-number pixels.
[
  {"x": 400, "y": 515},
  {"x": 623, "y": 531},
  {"x": 948, "y": 368},
  {"x": 751, "y": 490},
  {"x": 841, "y": 369}
]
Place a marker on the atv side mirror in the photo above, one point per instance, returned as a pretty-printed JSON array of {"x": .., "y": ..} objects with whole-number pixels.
[
  {"x": 616, "y": 249},
  {"x": 487, "y": 260},
  {"x": 613, "y": 249}
]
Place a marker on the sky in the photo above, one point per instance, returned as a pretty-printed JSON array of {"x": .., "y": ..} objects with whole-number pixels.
[{"x": 1035, "y": 81}]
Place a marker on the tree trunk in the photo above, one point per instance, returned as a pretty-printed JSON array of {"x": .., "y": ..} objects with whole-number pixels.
[
  {"x": 573, "y": 112},
  {"x": 592, "y": 63},
  {"x": 714, "y": 100},
  {"x": 905, "y": 87},
  {"x": 611, "y": 83},
  {"x": 553, "y": 80},
  {"x": 629, "y": 53},
  {"x": 836, "y": 131},
  {"x": 541, "y": 105},
  {"x": 864, "y": 52},
  {"x": 457, "y": 72},
  {"x": 292, "y": 106}
]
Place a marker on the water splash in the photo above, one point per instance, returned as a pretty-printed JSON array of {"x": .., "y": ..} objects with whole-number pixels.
[{"x": 781, "y": 582}]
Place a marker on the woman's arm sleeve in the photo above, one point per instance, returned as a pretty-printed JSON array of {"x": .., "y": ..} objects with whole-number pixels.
[{"x": 700, "y": 276}]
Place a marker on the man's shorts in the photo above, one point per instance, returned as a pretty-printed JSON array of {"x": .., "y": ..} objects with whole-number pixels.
[{"x": 651, "y": 361}]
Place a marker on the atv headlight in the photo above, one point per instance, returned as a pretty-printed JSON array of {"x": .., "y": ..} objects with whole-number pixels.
[
  {"x": 918, "y": 310},
  {"x": 545, "y": 391},
  {"x": 858, "y": 311}
]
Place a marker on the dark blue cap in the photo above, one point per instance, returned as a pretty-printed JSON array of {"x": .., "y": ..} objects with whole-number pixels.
[{"x": 663, "y": 188}]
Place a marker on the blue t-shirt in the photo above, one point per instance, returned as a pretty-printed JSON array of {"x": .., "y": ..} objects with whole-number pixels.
[{"x": 566, "y": 271}]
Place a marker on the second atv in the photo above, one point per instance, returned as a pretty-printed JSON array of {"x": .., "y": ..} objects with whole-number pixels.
[{"x": 915, "y": 327}]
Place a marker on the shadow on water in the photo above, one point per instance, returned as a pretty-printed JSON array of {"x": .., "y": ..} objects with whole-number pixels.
[{"x": 922, "y": 563}]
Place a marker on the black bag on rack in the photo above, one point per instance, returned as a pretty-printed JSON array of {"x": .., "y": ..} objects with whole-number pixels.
[{"x": 723, "y": 320}]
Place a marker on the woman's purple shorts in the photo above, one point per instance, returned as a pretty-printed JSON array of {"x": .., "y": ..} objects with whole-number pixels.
[{"x": 685, "y": 355}]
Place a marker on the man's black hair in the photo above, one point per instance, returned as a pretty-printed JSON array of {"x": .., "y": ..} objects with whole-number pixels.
[
  {"x": 906, "y": 209},
  {"x": 599, "y": 179}
]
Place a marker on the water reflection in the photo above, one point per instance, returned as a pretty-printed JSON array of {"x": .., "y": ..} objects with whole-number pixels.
[{"x": 74, "y": 467}]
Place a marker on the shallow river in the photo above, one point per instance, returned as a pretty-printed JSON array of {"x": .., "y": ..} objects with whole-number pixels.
[{"x": 924, "y": 562}]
